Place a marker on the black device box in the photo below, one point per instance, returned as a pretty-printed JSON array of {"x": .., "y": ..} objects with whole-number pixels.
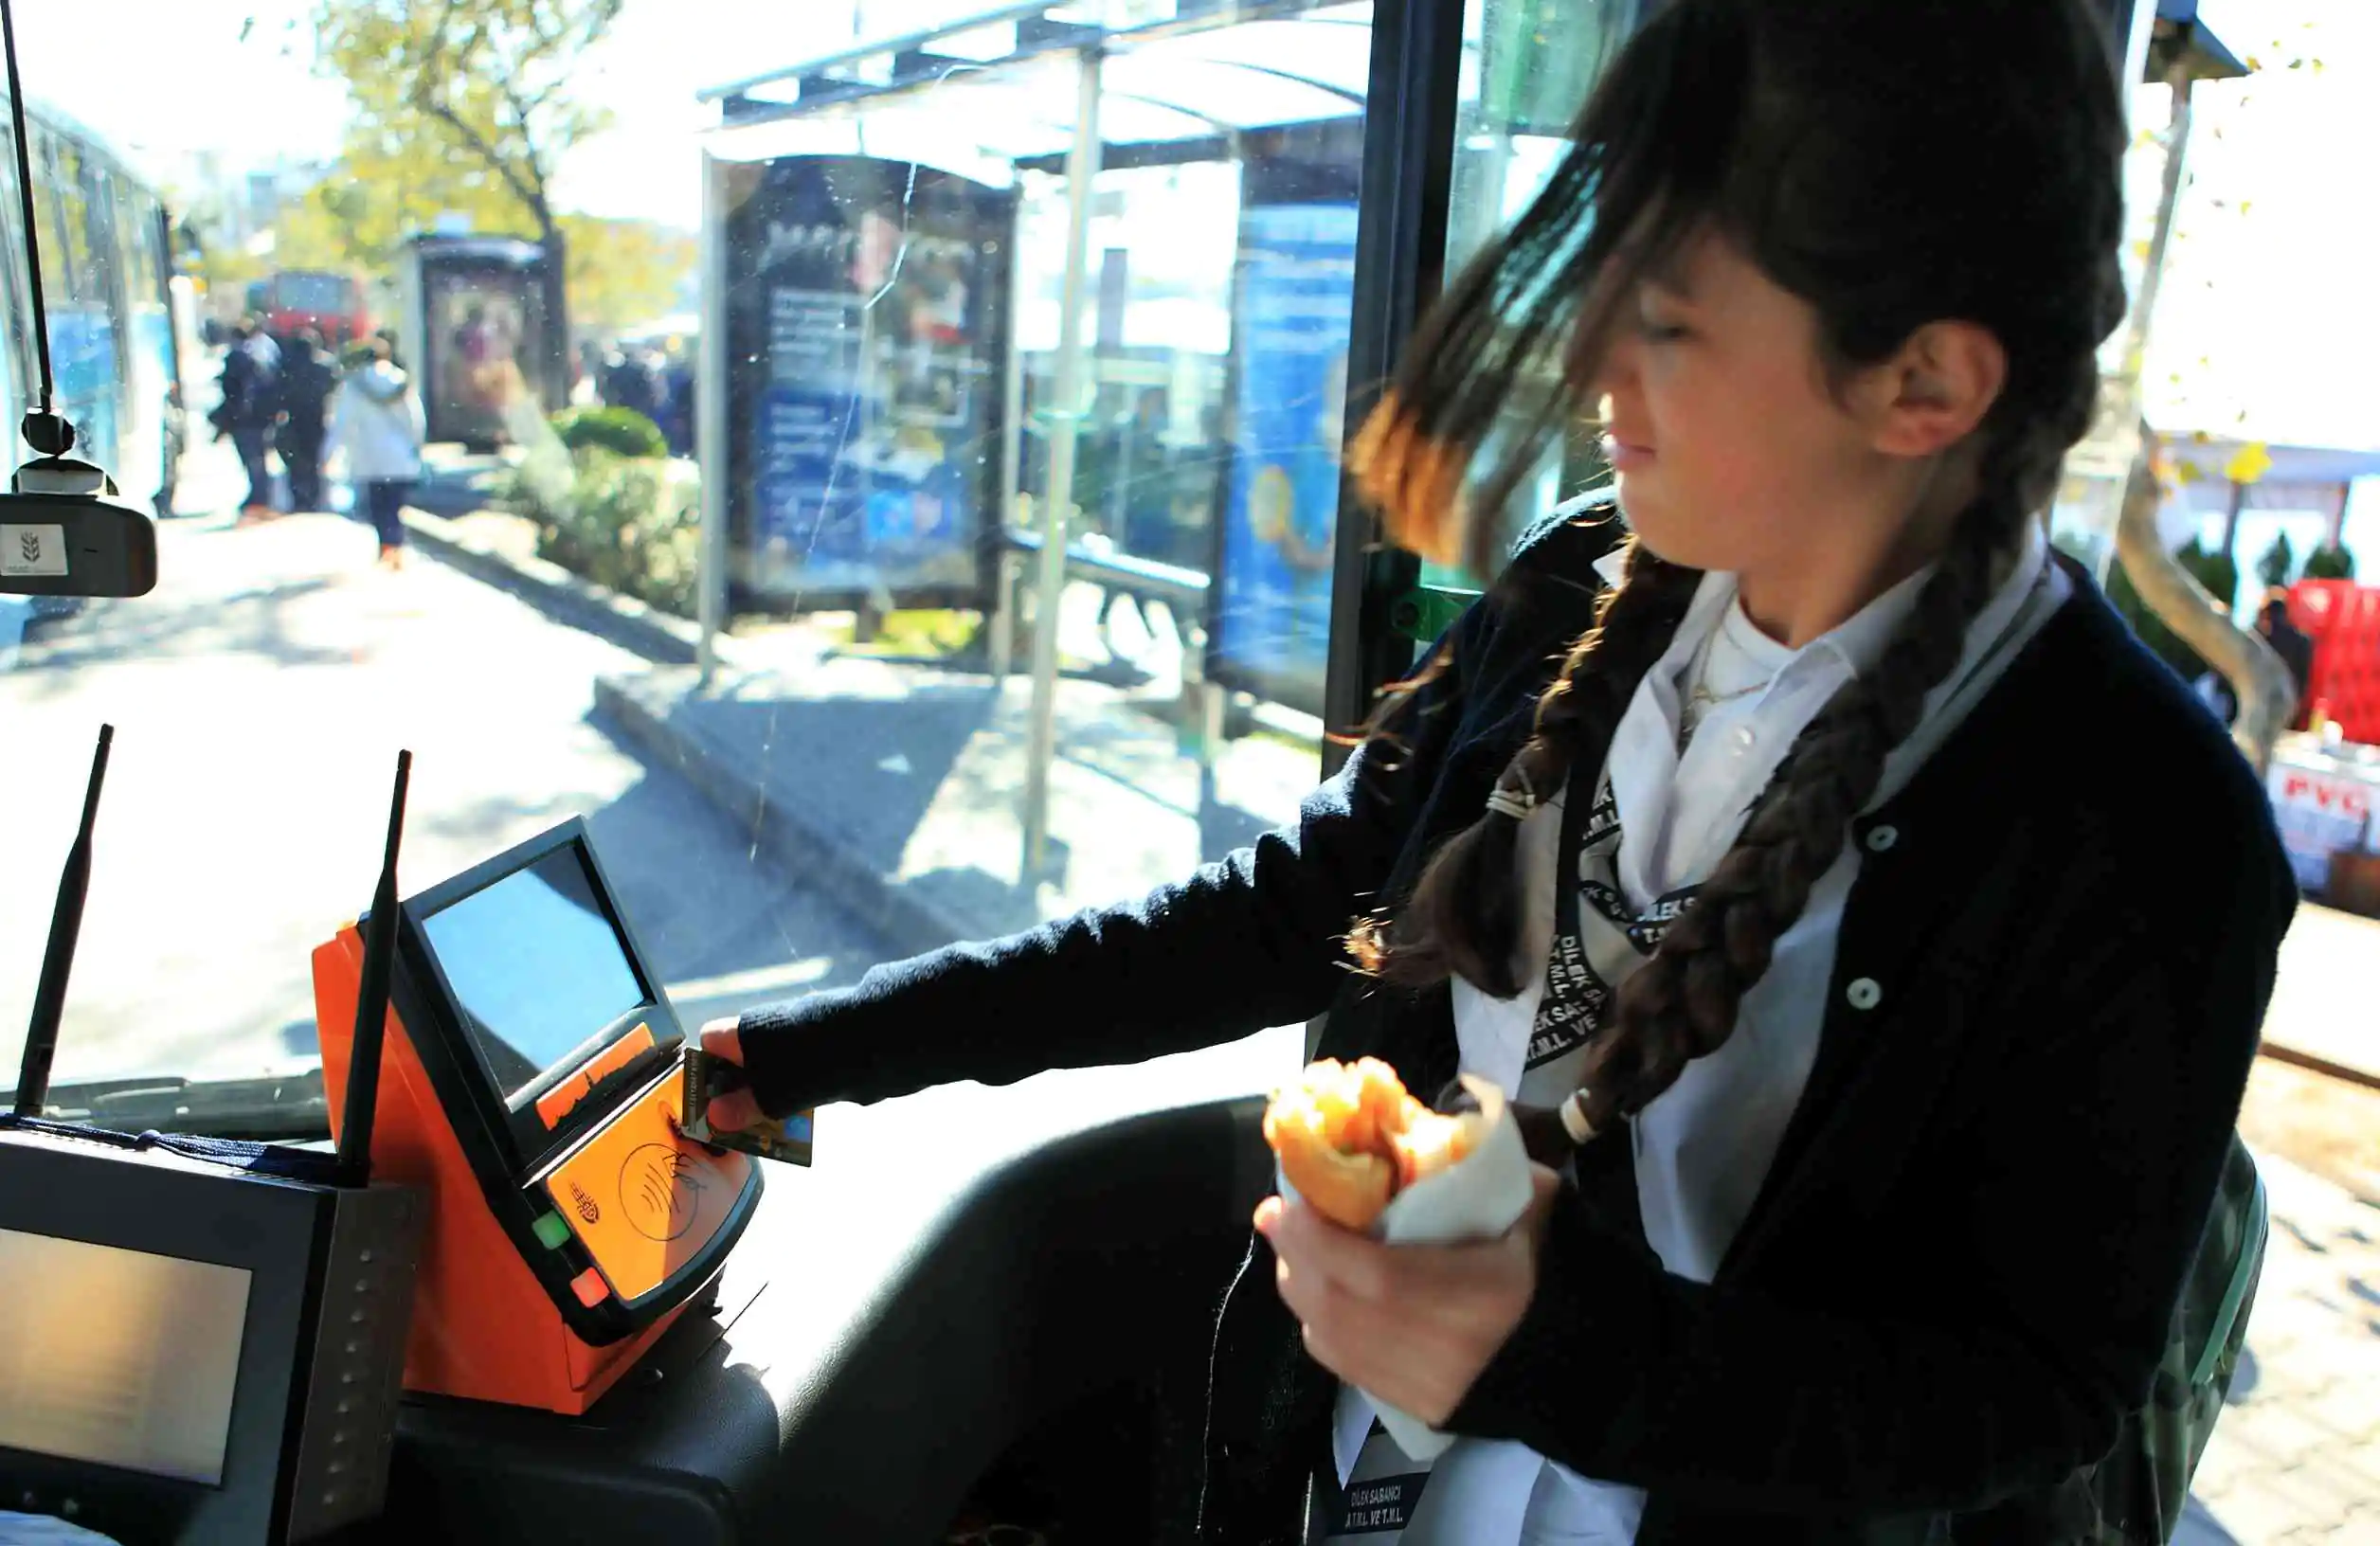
[{"x": 320, "y": 1363}]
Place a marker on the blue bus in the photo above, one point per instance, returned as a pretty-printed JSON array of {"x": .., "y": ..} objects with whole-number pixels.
[{"x": 116, "y": 354}]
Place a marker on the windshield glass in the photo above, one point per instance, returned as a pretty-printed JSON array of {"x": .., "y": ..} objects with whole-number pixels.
[
  {"x": 310, "y": 293},
  {"x": 686, "y": 450},
  {"x": 901, "y": 412}
]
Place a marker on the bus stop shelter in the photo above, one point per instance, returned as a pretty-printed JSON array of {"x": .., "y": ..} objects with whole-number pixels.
[
  {"x": 1374, "y": 105},
  {"x": 1000, "y": 99}
]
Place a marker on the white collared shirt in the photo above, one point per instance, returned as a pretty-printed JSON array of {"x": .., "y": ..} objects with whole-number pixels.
[{"x": 1703, "y": 1149}]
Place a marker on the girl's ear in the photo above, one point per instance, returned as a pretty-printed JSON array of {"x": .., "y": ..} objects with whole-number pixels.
[{"x": 1935, "y": 391}]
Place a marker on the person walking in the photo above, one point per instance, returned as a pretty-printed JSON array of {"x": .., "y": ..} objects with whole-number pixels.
[
  {"x": 2293, "y": 644},
  {"x": 376, "y": 422},
  {"x": 308, "y": 379},
  {"x": 250, "y": 407}
]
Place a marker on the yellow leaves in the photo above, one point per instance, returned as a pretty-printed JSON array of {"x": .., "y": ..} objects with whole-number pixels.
[{"x": 2249, "y": 463}]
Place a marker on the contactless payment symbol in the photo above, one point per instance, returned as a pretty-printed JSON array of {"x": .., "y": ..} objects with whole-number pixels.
[{"x": 660, "y": 1185}]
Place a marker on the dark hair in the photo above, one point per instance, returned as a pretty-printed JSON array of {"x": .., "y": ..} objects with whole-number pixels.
[{"x": 1827, "y": 142}]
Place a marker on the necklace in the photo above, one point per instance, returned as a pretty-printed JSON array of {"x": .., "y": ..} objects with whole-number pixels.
[{"x": 1702, "y": 698}]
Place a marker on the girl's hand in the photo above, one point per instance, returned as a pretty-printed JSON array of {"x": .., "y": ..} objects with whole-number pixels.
[
  {"x": 1412, "y": 1325},
  {"x": 736, "y": 1109}
]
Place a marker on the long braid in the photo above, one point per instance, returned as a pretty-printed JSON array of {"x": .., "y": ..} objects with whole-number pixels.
[
  {"x": 1464, "y": 916},
  {"x": 1683, "y": 1003}
]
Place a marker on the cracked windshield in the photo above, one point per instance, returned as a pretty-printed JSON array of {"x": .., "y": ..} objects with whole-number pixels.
[{"x": 880, "y": 466}]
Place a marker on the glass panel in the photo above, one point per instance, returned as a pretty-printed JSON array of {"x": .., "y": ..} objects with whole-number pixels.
[
  {"x": 897, "y": 424},
  {"x": 1528, "y": 68}
]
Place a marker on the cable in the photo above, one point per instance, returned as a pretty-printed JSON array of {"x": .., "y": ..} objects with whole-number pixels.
[{"x": 44, "y": 429}]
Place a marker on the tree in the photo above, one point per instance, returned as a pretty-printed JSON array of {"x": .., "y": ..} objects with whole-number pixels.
[
  {"x": 2260, "y": 683},
  {"x": 2279, "y": 563},
  {"x": 625, "y": 272},
  {"x": 488, "y": 82}
]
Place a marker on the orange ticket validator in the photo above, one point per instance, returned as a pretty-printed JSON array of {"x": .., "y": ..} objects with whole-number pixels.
[{"x": 529, "y": 1084}]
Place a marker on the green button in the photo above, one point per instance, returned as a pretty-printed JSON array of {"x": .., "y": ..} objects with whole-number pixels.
[{"x": 554, "y": 1231}]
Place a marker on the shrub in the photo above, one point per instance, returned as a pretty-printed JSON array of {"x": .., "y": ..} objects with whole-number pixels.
[
  {"x": 2330, "y": 564},
  {"x": 623, "y": 432},
  {"x": 629, "y": 524},
  {"x": 2279, "y": 563}
]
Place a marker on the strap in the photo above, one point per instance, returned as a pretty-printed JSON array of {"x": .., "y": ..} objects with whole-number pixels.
[
  {"x": 2244, "y": 1271},
  {"x": 1565, "y": 999}
]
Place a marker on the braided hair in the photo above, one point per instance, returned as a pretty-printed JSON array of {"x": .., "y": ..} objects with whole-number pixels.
[{"x": 1820, "y": 140}]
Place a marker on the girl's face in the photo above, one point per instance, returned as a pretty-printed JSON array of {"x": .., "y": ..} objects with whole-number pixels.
[{"x": 1734, "y": 450}]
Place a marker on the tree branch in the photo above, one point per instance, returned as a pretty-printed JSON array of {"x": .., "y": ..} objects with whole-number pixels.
[
  {"x": 2266, "y": 693},
  {"x": 496, "y": 161}
]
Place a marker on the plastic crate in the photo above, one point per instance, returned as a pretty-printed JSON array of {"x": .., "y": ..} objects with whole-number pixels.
[{"x": 2343, "y": 620}]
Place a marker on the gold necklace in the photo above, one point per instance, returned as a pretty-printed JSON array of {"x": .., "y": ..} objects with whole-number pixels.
[{"x": 1702, "y": 699}]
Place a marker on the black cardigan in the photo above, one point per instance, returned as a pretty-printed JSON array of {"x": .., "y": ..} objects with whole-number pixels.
[{"x": 1960, "y": 1271}]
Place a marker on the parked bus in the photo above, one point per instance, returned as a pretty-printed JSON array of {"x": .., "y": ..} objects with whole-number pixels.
[{"x": 117, "y": 358}]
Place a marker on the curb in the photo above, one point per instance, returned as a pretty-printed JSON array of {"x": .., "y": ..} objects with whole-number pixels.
[
  {"x": 808, "y": 852},
  {"x": 550, "y": 588}
]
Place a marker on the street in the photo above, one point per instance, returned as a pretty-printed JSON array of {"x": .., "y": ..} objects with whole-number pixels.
[{"x": 259, "y": 697}]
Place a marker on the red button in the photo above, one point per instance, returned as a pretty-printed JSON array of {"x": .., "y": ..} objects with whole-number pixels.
[{"x": 591, "y": 1288}]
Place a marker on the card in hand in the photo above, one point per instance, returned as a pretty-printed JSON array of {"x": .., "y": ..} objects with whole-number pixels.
[{"x": 703, "y": 1077}]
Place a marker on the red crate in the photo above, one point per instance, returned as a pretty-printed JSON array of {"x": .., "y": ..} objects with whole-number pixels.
[{"x": 2343, "y": 620}]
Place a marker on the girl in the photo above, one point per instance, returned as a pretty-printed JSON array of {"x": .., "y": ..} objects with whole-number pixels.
[
  {"x": 1898, "y": 1055},
  {"x": 377, "y": 421}
]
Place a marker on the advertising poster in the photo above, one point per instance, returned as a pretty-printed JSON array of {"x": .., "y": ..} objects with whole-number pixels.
[
  {"x": 865, "y": 312},
  {"x": 1289, "y": 338},
  {"x": 485, "y": 336}
]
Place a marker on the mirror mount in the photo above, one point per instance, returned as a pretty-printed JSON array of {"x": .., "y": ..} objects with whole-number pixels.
[{"x": 65, "y": 531}]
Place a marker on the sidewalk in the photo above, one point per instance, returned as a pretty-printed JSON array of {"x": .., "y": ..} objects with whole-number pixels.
[{"x": 899, "y": 786}]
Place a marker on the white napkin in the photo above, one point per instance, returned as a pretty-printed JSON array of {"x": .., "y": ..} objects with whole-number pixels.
[{"x": 1477, "y": 1198}]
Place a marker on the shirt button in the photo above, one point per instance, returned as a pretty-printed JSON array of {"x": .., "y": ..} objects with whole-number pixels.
[
  {"x": 1880, "y": 839},
  {"x": 1865, "y": 993},
  {"x": 1744, "y": 739}
]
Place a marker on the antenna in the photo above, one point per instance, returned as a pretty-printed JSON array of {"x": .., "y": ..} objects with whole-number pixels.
[
  {"x": 371, "y": 1001},
  {"x": 66, "y": 927}
]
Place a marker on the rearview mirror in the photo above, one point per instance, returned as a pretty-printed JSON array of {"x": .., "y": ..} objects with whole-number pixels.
[{"x": 66, "y": 531}]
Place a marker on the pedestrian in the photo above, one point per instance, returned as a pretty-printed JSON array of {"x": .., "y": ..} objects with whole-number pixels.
[
  {"x": 1884, "y": 1071},
  {"x": 2293, "y": 644},
  {"x": 308, "y": 379},
  {"x": 376, "y": 421},
  {"x": 250, "y": 409}
]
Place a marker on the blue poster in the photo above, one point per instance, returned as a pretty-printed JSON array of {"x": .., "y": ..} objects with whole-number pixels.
[
  {"x": 865, "y": 313},
  {"x": 1290, "y": 333}
]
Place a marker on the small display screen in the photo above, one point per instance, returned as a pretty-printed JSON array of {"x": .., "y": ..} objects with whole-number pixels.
[
  {"x": 537, "y": 966},
  {"x": 120, "y": 1357}
]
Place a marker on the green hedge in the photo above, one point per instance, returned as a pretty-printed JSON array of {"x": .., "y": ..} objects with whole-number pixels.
[
  {"x": 623, "y": 432},
  {"x": 629, "y": 524},
  {"x": 2330, "y": 564}
]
